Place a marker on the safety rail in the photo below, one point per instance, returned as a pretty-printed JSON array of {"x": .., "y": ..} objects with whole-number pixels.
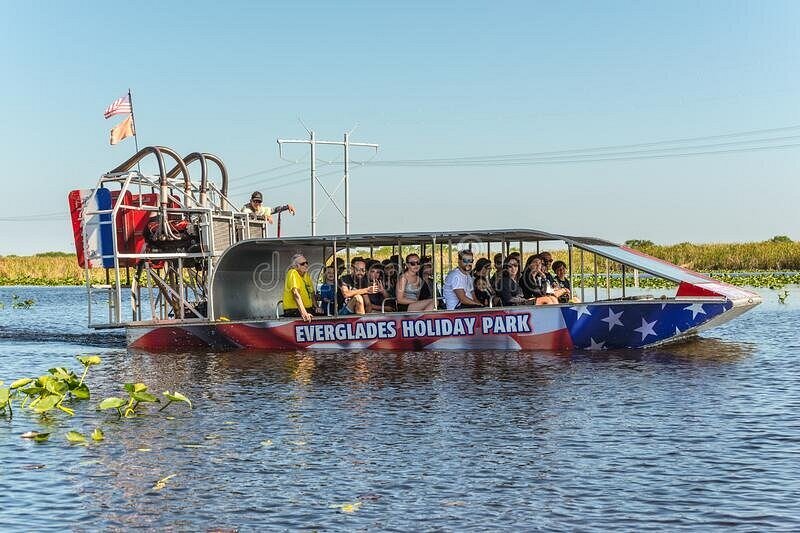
[{"x": 158, "y": 237}]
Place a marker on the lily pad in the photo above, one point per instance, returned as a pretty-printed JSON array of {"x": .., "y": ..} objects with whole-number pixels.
[
  {"x": 112, "y": 403},
  {"x": 144, "y": 397},
  {"x": 46, "y": 404},
  {"x": 81, "y": 392},
  {"x": 177, "y": 397},
  {"x": 20, "y": 383},
  {"x": 89, "y": 360},
  {"x": 135, "y": 387},
  {"x": 97, "y": 435},
  {"x": 75, "y": 437}
]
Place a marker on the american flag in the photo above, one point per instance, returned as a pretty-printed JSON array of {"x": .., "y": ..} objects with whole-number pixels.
[{"x": 119, "y": 106}]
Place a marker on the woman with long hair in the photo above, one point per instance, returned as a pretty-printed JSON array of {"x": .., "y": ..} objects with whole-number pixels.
[
  {"x": 484, "y": 292},
  {"x": 409, "y": 284},
  {"x": 535, "y": 284}
]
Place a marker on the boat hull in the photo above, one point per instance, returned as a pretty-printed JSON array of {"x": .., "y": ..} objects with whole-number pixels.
[{"x": 592, "y": 326}]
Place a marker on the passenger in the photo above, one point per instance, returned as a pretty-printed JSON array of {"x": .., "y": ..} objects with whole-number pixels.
[
  {"x": 426, "y": 273},
  {"x": 297, "y": 290},
  {"x": 353, "y": 287},
  {"x": 327, "y": 291},
  {"x": 561, "y": 281},
  {"x": 376, "y": 277},
  {"x": 547, "y": 260},
  {"x": 390, "y": 271},
  {"x": 510, "y": 290},
  {"x": 409, "y": 284},
  {"x": 256, "y": 207},
  {"x": 497, "y": 275},
  {"x": 534, "y": 282},
  {"x": 459, "y": 291},
  {"x": 484, "y": 292}
]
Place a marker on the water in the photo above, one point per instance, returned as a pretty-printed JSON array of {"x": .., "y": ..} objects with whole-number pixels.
[{"x": 700, "y": 436}]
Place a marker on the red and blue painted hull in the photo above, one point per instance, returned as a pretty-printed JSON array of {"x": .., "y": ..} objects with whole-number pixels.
[{"x": 593, "y": 326}]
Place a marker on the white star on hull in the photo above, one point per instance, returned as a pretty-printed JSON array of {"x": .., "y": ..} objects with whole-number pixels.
[
  {"x": 647, "y": 328},
  {"x": 613, "y": 319},
  {"x": 696, "y": 309},
  {"x": 596, "y": 345},
  {"x": 581, "y": 310}
]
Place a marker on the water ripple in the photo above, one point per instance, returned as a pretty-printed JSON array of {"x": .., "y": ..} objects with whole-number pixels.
[{"x": 699, "y": 436}]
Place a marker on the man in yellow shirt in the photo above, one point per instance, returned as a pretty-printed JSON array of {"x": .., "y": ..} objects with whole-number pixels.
[{"x": 298, "y": 290}]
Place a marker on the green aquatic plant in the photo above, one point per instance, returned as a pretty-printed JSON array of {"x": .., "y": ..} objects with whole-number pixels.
[
  {"x": 51, "y": 390},
  {"x": 175, "y": 397},
  {"x": 137, "y": 394},
  {"x": 18, "y": 303},
  {"x": 75, "y": 437}
]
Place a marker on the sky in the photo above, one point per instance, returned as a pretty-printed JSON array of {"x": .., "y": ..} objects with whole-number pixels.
[{"x": 593, "y": 94}]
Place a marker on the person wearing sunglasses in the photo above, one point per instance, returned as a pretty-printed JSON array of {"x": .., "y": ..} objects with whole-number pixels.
[
  {"x": 353, "y": 287},
  {"x": 297, "y": 290},
  {"x": 510, "y": 291},
  {"x": 256, "y": 207},
  {"x": 459, "y": 290},
  {"x": 534, "y": 282},
  {"x": 409, "y": 284}
]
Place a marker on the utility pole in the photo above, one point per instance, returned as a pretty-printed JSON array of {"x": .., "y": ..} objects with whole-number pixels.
[{"x": 313, "y": 142}]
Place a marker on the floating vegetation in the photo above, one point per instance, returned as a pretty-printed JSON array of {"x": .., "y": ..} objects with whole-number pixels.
[
  {"x": 19, "y": 303},
  {"x": 60, "y": 388},
  {"x": 137, "y": 394},
  {"x": 348, "y": 508},
  {"x": 49, "y": 391},
  {"x": 161, "y": 483},
  {"x": 75, "y": 437}
]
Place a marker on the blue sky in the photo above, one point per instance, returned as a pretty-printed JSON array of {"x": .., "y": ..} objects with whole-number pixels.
[{"x": 424, "y": 80}]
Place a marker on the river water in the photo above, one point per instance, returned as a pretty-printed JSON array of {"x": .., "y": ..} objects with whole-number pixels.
[{"x": 699, "y": 436}]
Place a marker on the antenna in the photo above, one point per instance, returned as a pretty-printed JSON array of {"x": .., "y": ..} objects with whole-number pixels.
[{"x": 346, "y": 144}]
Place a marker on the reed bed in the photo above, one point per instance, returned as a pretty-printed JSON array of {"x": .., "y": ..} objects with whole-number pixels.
[{"x": 45, "y": 270}]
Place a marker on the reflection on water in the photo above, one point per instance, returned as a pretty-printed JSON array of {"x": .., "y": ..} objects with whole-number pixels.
[{"x": 699, "y": 435}]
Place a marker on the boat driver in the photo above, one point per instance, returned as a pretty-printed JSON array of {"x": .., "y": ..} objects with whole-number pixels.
[{"x": 256, "y": 207}]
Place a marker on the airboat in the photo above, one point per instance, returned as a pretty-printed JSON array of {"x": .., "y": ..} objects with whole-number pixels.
[{"x": 185, "y": 269}]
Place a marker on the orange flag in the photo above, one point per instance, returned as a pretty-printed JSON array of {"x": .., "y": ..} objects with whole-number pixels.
[{"x": 122, "y": 130}]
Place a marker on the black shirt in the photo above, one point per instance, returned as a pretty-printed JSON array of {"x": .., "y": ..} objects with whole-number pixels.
[
  {"x": 510, "y": 291},
  {"x": 350, "y": 282},
  {"x": 533, "y": 286}
]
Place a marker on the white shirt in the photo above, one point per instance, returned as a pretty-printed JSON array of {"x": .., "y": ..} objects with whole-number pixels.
[{"x": 457, "y": 280}]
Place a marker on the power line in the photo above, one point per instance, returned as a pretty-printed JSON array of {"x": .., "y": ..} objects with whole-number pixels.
[
  {"x": 493, "y": 161},
  {"x": 619, "y": 146}
]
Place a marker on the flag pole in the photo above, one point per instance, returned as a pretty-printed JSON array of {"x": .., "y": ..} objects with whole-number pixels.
[{"x": 135, "y": 136}]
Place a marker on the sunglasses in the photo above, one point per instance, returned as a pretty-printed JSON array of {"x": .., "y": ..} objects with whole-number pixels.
[
  {"x": 467, "y": 260},
  {"x": 412, "y": 263},
  {"x": 515, "y": 265},
  {"x": 304, "y": 263},
  {"x": 256, "y": 201}
]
